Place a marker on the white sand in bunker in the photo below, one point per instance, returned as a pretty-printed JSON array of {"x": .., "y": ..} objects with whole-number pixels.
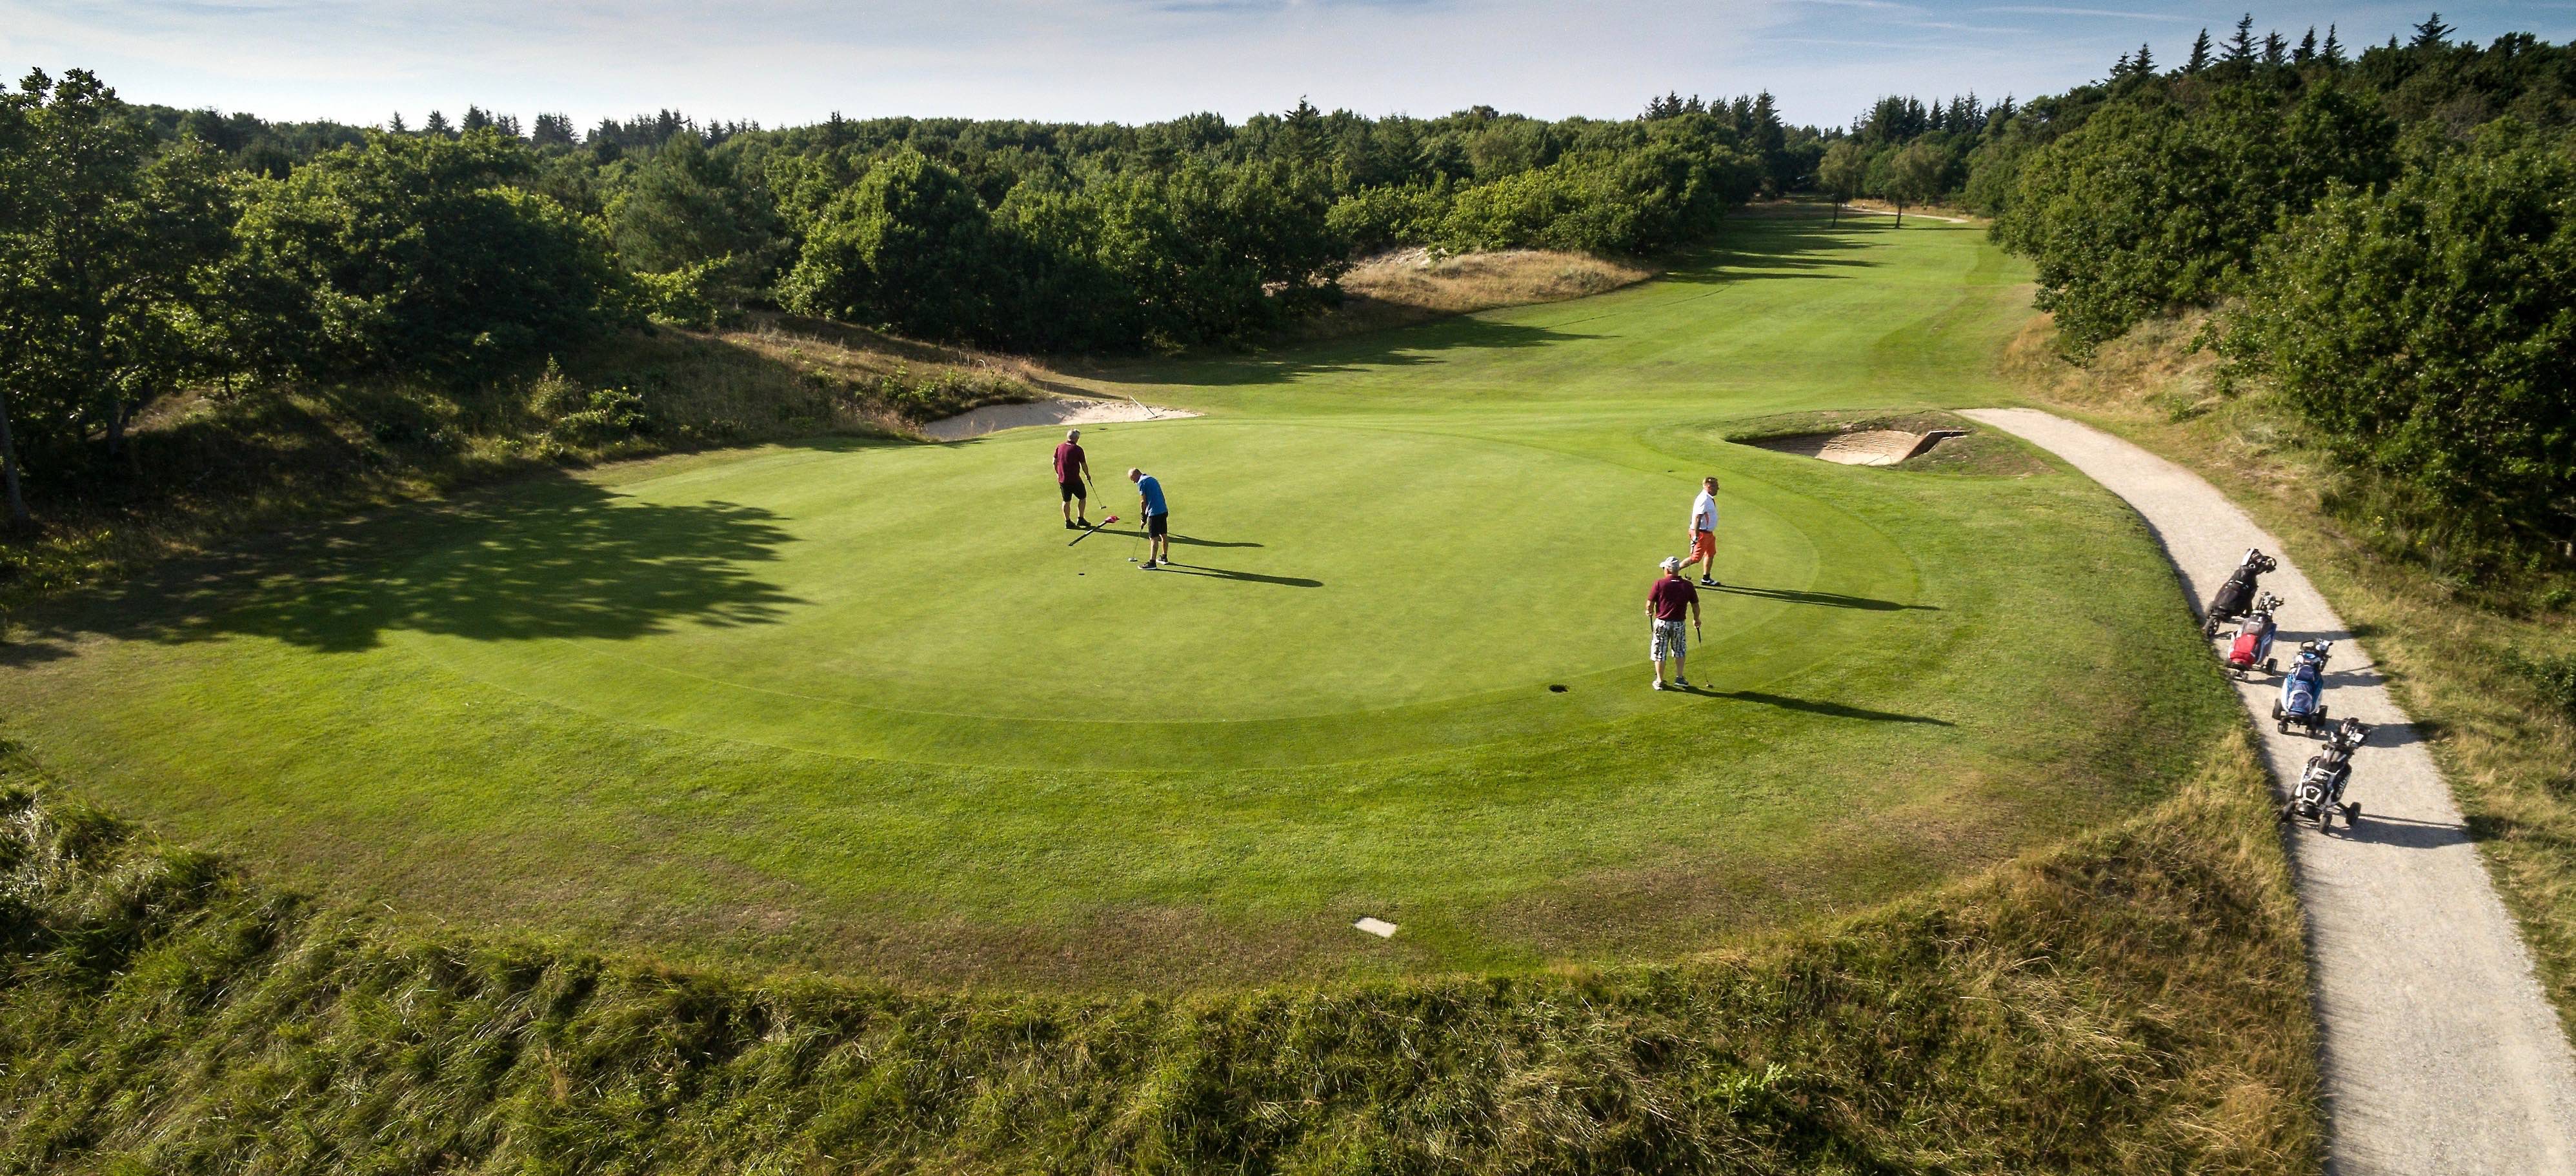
[
  {"x": 994, "y": 418},
  {"x": 1869, "y": 447}
]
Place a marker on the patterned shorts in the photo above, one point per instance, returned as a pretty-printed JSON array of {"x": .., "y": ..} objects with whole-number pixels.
[{"x": 1672, "y": 639}]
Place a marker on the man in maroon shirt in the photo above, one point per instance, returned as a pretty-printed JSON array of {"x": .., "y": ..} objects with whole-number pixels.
[
  {"x": 1072, "y": 471},
  {"x": 1665, "y": 603}
]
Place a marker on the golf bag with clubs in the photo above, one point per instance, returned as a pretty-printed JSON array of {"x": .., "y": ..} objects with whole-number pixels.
[
  {"x": 2237, "y": 594},
  {"x": 2303, "y": 690},
  {"x": 2319, "y": 793},
  {"x": 2253, "y": 644}
]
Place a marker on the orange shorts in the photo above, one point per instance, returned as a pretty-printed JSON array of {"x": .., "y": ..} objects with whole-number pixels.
[{"x": 1703, "y": 545}]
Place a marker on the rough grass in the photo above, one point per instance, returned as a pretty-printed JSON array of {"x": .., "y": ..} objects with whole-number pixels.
[
  {"x": 2485, "y": 679},
  {"x": 2133, "y": 1001},
  {"x": 1412, "y": 285}
]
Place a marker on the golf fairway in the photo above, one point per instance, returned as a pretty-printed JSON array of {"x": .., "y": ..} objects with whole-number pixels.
[{"x": 860, "y": 705}]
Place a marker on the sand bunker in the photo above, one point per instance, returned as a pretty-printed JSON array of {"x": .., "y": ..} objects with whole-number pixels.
[
  {"x": 1868, "y": 447},
  {"x": 994, "y": 418}
]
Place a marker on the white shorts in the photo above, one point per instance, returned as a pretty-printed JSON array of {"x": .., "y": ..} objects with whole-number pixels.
[{"x": 1671, "y": 639}]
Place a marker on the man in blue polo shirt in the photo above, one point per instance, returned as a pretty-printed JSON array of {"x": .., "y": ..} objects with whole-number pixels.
[{"x": 1158, "y": 519}]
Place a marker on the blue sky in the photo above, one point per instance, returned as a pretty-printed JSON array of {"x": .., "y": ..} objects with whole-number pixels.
[{"x": 1130, "y": 60}]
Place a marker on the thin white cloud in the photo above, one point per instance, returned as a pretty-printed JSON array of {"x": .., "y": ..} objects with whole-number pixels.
[{"x": 2106, "y": 13}]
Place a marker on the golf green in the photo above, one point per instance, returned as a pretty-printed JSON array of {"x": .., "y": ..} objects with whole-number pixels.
[{"x": 865, "y": 705}]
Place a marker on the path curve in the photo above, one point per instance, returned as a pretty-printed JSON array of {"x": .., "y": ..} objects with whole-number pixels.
[{"x": 2441, "y": 1055}]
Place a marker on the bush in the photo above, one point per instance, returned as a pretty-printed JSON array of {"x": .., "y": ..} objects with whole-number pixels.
[
  {"x": 2428, "y": 334},
  {"x": 909, "y": 246},
  {"x": 606, "y": 415},
  {"x": 1376, "y": 219},
  {"x": 416, "y": 254},
  {"x": 2154, "y": 203},
  {"x": 1634, "y": 203},
  {"x": 692, "y": 296}
]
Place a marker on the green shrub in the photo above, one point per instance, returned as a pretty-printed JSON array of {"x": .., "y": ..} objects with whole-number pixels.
[
  {"x": 1375, "y": 219},
  {"x": 2155, "y": 203},
  {"x": 606, "y": 415},
  {"x": 2427, "y": 333}
]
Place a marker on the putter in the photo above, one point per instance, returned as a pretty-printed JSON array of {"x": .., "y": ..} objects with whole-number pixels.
[{"x": 1095, "y": 529}]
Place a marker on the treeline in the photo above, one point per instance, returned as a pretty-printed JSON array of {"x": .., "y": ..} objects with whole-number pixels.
[
  {"x": 1908, "y": 151},
  {"x": 143, "y": 250},
  {"x": 2390, "y": 239}
]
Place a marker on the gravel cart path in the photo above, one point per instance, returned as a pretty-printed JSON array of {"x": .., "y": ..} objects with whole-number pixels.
[{"x": 2441, "y": 1054}]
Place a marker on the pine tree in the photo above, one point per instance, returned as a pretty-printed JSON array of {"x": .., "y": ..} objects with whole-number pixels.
[
  {"x": 2432, "y": 34},
  {"x": 2307, "y": 50},
  {"x": 2275, "y": 50},
  {"x": 438, "y": 125},
  {"x": 1303, "y": 128},
  {"x": 554, "y": 130},
  {"x": 398, "y": 126},
  {"x": 476, "y": 118},
  {"x": 2144, "y": 64},
  {"x": 2333, "y": 51},
  {"x": 2120, "y": 68},
  {"x": 2240, "y": 48},
  {"x": 2199, "y": 54}
]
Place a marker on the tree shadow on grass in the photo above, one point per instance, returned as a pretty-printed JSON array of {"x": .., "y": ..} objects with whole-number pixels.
[
  {"x": 549, "y": 557},
  {"x": 1755, "y": 250},
  {"x": 1813, "y": 707},
  {"x": 1404, "y": 347},
  {"x": 1748, "y": 250},
  {"x": 1827, "y": 599},
  {"x": 17, "y": 651}
]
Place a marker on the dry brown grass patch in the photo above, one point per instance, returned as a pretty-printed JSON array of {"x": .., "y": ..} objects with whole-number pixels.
[{"x": 1411, "y": 286}]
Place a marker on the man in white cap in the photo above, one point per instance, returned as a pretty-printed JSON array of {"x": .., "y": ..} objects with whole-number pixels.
[{"x": 1666, "y": 603}]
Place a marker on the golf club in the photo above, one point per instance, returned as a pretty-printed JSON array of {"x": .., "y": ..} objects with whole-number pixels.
[{"x": 1095, "y": 529}]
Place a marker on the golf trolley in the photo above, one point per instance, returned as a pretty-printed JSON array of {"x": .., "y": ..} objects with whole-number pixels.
[
  {"x": 2236, "y": 596},
  {"x": 2303, "y": 690},
  {"x": 2319, "y": 793},
  {"x": 2252, "y": 645}
]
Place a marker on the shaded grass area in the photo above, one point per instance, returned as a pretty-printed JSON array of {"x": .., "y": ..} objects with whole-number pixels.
[
  {"x": 2132, "y": 1001},
  {"x": 213, "y": 463},
  {"x": 2485, "y": 677}
]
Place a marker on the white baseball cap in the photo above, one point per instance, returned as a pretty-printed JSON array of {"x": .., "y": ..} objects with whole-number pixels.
[{"x": 1672, "y": 563}]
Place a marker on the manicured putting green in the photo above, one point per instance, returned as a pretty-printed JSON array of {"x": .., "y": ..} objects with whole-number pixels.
[
  {"x": 857, "y": 705},
  {"x": 1338, "y": 591}
]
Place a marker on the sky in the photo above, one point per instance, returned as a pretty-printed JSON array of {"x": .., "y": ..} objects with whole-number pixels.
[{"x": 784, "y": 62}]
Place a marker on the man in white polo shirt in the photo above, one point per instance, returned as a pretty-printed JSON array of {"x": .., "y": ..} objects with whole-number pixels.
[{"x": 1703, "y": 533}]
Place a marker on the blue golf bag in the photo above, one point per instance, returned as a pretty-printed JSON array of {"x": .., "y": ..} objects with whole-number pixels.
[{"x": 2303, "y": 690}]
